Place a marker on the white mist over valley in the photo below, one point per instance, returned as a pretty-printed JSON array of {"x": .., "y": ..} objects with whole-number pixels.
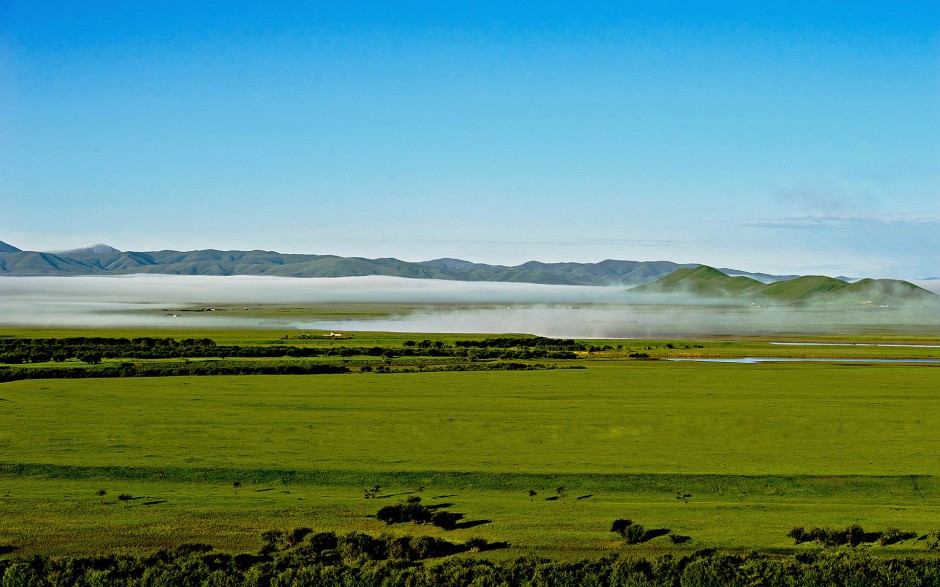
[{"x": 416, "y": 305}]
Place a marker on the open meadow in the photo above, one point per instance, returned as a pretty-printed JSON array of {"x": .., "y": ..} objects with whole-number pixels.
[{"x": 702, "y": 455}]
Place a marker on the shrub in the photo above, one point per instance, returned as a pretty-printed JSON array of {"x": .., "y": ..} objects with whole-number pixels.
[
  {"x": 854, "y": 535},
  {"x": 799, "y": 534},
  {"x": 424, "y": 546},
  {"x": 271, "y": 541},
  {"x": 933, "y": 541},
  {"x": 679, "y": 538},
  {"x": 90, "y": 357},
  {"x": 632, "y": 533},
  {"x": 400, "y": 549},
  {"x": 321, "y": 541},
  {"x": 620, "y": 526},
  {"x": 401, "y": 513},
  {"x": 831, "y": 537},
  {"x": 356, "y": 545},
  {"x": 296, "y": 536}
]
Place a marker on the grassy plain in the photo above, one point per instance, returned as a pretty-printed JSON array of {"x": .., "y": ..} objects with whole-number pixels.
[{"x": 752, "y": 450}]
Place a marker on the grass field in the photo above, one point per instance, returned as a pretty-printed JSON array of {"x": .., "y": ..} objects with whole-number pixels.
[{"x": 752, "y": 450}]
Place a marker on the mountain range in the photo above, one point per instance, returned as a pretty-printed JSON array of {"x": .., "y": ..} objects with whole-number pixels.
[
  {"x": 102, "y": 259},
  {"x": 644, "y": 277}
]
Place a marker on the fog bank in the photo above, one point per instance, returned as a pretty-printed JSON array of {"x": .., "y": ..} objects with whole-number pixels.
[
  {"x": 202, "y": 289},
  {"x": 468, "y": 307}
]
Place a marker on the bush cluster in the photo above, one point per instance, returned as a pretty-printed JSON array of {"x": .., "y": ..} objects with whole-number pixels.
[
  {"x": 852, "y": 536},
  {"x": 631, "y": 533},
  {"x": 356, "y": 559},
  {"x": 418, "y": 514}
]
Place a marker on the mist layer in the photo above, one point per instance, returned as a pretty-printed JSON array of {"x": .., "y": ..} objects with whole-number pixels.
[{"x": 449, "y": 306}]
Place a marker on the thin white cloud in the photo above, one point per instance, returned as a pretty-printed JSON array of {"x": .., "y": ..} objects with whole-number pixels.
[
  {"x": 822, "y": 196},
  {"x": 831, "y": 220}
]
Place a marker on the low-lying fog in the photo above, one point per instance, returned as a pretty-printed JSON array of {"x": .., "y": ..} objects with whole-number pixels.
[{"x": 548, "y": 310}]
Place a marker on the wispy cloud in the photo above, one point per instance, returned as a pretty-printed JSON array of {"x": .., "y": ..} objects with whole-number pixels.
[
  {"x": 822, "y": 196},
  {"x": 836, "y": 220}
]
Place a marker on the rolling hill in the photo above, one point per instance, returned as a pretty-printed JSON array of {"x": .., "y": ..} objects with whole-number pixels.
[
  {"x": 708, "y": 282},
  {"x": 649, "y": 277},
  {"x": 102, "y": 259}
]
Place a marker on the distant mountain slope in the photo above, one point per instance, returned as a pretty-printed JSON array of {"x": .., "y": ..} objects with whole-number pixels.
[
  {"x": 35, "y": 263},
  {"x": 98, "y": 248},
  {"x": 103, "y": 259},
  {"x": 651, "y": 276},
  {"x": 704, "y": 281},
  {"x": 5, "y": 248}
]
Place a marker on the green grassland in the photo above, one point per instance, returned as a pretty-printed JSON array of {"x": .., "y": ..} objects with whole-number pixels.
[{"x": 752, "y": 450}]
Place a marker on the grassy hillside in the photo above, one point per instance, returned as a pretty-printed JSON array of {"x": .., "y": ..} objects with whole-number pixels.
[
  {"x": 802, "y": 288},
  {"x": 701, "y": 281},
  {"x": 709, "y": 282}
]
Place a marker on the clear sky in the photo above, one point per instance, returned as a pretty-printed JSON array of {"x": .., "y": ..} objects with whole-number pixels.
[{"x": 786, "y": 137}]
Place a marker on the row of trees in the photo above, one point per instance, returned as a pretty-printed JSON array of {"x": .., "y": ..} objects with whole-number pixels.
[
  {"x": 169, "y": 370},
  {"x": 529, "y": 342},
  {"x": 353, "y": 560},
  {"x": 15, "y": 351}
]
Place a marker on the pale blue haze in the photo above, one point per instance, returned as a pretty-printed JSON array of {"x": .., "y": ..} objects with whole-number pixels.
[{"x": 789, "y": 137}]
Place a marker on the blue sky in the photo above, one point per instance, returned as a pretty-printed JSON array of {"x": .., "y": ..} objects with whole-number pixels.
[{"x": 790, "y": 137}]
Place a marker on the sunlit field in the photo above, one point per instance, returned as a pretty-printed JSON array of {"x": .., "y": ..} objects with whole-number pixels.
[{"x": 731, "y": 455}]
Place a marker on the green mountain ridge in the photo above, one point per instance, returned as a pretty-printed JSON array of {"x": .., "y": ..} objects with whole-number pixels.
[
  {"x": 656, "y": 277},
  {"x": 708, "y": 282},
  {"x": 105, "y": 260}
]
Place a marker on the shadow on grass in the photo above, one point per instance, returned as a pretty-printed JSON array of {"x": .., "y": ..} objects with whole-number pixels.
[
  {"x": 588, "y": 496},
  {"x": 493, "y": 546},
  {"x": 393, "y": 495},
  {"x": 7, "y": 549},
  {"x": 471, "y": 524},
  {"x": 651, "y": 534},
  {"x": 874, "y": 537}
]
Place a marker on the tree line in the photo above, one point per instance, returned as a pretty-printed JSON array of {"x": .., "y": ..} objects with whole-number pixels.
[
  {"x": 16, "y": 351},
  {"x": 302, "y": 557},
  {"x": 168, "y": 370}
]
